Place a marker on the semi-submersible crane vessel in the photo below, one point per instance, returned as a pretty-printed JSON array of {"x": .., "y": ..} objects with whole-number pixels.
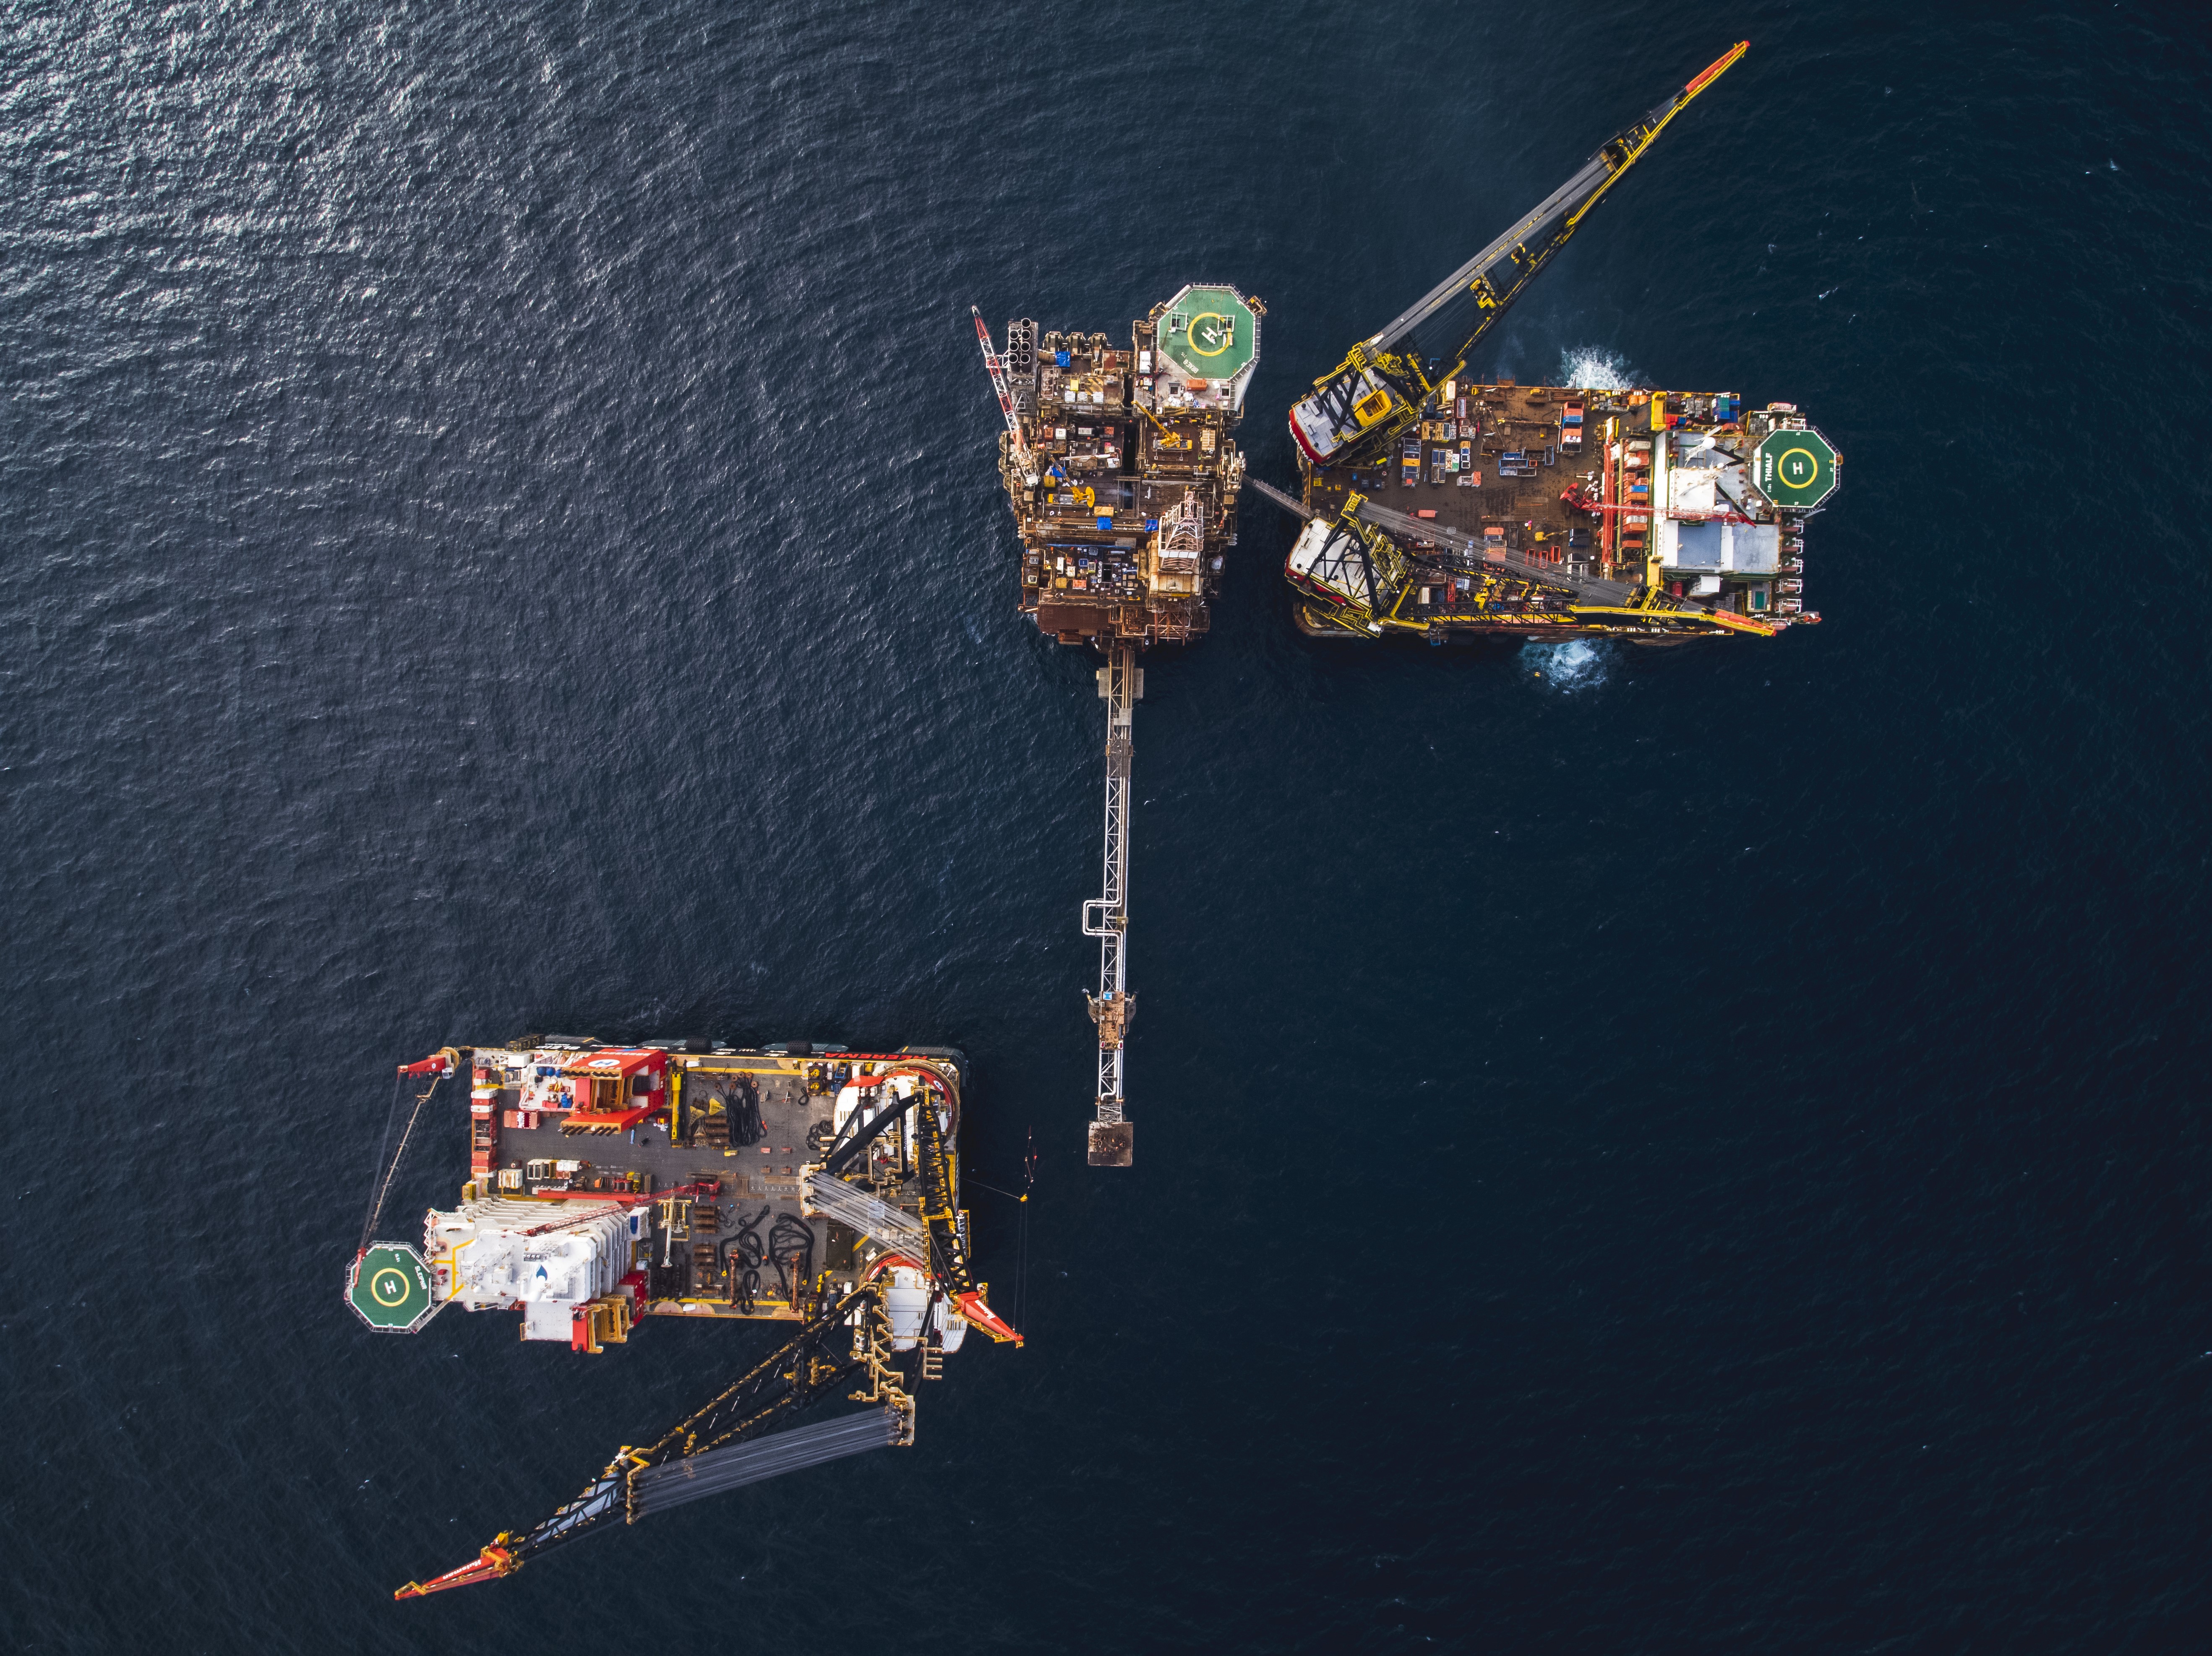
[
  {"x": 1124, "y": 480},
  {"x": 809, "y": 1186},
  {"x": 1435, "y": 505}
]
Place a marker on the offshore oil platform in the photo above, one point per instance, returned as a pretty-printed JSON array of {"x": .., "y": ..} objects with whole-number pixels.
[
  {"x": 814, "y": 1187},
  {"x": 1433, "y": 505},
  {"x": 1124, "y": 479}
]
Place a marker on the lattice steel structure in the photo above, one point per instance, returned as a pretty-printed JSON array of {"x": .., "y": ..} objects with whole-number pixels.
[{"x": 1120, "y": 683}]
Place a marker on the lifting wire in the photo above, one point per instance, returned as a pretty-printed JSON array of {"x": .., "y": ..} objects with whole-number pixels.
[
  {"x": 1029, "y": 1188},
  {"x": 1022, "y": 1265},
  {"x": 388, "y": 1173}
]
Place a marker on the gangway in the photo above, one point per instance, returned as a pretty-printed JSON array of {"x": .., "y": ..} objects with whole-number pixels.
[{"x": 1122, "y": 686}]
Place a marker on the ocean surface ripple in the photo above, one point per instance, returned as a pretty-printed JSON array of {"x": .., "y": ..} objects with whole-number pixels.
[{"x": 1694, "y": 1151}]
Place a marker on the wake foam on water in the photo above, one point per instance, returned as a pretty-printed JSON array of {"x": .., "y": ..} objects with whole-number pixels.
[
  {"x": 1571, "y": 665},
  {"x": 1595, "y": 368}
]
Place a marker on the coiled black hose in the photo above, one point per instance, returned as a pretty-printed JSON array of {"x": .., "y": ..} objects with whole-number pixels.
[
  {"x": 746, "y": 1254},
  {"x": 741, "y": 1103}
]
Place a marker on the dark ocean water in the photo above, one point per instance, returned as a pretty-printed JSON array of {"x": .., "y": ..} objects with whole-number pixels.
[{"x": 1681, "y": 1152}]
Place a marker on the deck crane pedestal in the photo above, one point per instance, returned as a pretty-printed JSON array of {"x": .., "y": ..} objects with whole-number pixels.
[{"x": 1377, "y": 390}]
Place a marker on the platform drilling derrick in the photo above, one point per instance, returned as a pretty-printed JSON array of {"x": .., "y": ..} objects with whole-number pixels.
[
  {"x": 1121, "y": 685},
  {"x": 1377, "y": 390}
]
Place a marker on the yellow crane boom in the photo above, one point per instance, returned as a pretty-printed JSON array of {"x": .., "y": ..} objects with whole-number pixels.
[{"x": 1379, "y": 387}]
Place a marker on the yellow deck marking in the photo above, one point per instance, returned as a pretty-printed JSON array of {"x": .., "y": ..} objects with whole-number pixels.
[{"x": 1229, "y": 327}]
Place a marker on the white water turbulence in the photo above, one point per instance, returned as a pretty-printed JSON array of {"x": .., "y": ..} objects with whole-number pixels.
[
  {"x": 1592, "y": 367},
  {"x": 1568, "y": 666}
]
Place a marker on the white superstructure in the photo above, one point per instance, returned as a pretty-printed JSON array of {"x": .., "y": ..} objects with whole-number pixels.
[{"x": 491, "y": 1254}]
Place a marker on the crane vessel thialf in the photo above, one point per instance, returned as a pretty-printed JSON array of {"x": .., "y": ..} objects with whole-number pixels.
[
  {"x": 1124, "y": 481},
  {"x": 811, "y": 1185},
  {"x": 1434, "y": 504}
]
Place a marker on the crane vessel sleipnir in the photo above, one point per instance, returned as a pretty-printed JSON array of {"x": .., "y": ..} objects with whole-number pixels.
[
  {"x": 1124, "y": 478},
  {"x": 1684, "y": 520},
  {"x": 613, "y": 1184}
]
